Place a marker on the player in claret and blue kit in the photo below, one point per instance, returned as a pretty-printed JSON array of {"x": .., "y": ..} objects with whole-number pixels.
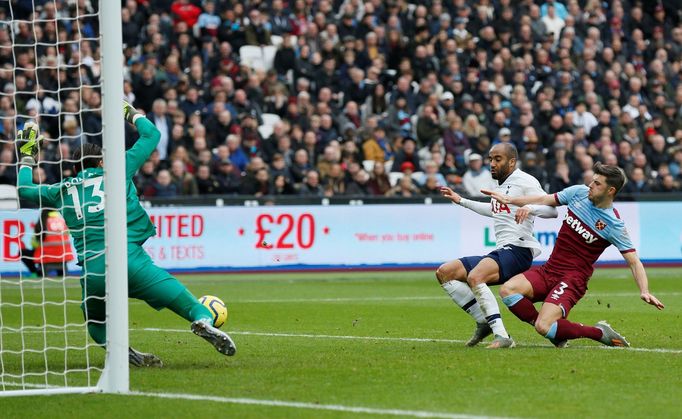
[
  {"x": 591, "y": 225},
  {"x": 80, "y": 199},
  {"x": 466, "y": 279}
]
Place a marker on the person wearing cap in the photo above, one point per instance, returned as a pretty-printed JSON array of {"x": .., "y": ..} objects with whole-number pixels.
[
  {"x": 447, "y": 100},
  {"x": 477, "y": 177},
  {"x": 466, "y": 279},
  {"x": 503, "y": 136}
]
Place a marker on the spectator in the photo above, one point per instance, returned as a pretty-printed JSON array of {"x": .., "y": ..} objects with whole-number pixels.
[
  {"x": 431, "y": 171},
  {"x": 163, "y": 187},
  {"x": 560, "y": 179},
  {"x": 300, "y": 166},
  {"x": 185, "y": 183},
  {"x": 522, "y": 67},
  {"x": 404, "y": 188},
  {"x": 335, "y": 181},
  {"x": 256, "y": 183},
  {"x": 379, "y": 184},
  {"x": 407, "y": 153},
  {"x": 360, "y": 185},
  {"x": 637, "y": 183},
  {"x": 228, "y": 177},
  {"x": 428, "y": 127},
  {"x": 145, "y": 177},
  {"x": 185, "y": 11},
  {"x": 207, "y": 184},
  {"x": 161, "y": 119},
  {"x": 377, "y": 147},
  {"x": 208, "y": 22},
  {"x": 477, "y": 177},
  {"x": 281, "y": 186},
  {"x": 311, "y": 185}
]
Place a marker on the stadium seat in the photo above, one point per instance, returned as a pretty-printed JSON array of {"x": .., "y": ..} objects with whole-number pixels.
[
  {"x": 270, "y": 119},
  {"x": 252, "y": 56},
  {"x": 269, "y": 52},
  {"x": 368, "y": 165},
  {"x": 394, "y": 177},
  {"x": 276, "y": 40},
  {"x": 265, "y": 131},
  {"x": 9, "y": 198}
]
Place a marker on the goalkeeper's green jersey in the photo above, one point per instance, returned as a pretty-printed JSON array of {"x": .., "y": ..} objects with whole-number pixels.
[{"x": 80, "y": 199}]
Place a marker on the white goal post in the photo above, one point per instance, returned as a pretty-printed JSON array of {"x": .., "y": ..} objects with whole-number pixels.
[{"x": 40, "y": 352}]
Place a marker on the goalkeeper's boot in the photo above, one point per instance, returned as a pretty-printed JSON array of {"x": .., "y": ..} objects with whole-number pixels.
[
  {"x": 501, "y": 342},
  {"x": 220, "y": 340},
  {"x": 609, "y": 336},
  {"x": 482, "y": 331},
  {"x": 141, "y": 359}
]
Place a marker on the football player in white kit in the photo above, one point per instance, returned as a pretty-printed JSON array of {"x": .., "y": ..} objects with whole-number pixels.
[{"x": 466, "y": 279}]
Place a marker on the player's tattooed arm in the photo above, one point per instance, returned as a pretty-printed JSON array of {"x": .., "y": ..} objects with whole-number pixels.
[{"x": 641, "y": 279}]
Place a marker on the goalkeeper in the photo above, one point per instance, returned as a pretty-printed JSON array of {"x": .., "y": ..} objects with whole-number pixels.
[{"x": 81, "y": 202}]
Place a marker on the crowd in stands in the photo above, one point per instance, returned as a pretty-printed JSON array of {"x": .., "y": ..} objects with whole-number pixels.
[{"x": 345, "y": 97}]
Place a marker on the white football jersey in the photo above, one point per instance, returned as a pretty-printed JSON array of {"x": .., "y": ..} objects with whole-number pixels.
[{"x": 507, "y": 231}]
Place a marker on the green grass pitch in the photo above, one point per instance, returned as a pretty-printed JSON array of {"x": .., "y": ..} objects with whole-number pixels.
[{"x": 339, "y": 343}]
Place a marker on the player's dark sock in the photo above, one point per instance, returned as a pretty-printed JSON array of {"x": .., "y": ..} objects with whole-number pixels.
[
  {"x": 522, "y": 307},
  {"x": 188, "y": 307},
  {"x": 563, "y": 329},
  {"x": 98, "y": 333}
]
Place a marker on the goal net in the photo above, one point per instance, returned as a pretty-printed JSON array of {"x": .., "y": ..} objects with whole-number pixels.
[{"x": 52, "y": 71}]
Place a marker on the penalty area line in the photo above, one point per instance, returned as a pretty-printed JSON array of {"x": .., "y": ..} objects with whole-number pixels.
[{"x": 312, "y": 406}]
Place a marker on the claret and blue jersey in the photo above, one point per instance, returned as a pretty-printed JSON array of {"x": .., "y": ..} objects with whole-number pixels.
[{"x": 586, "y": 232}]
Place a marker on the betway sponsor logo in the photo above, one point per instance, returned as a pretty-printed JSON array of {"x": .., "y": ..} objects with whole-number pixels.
[{"x": 578, "y": 227}]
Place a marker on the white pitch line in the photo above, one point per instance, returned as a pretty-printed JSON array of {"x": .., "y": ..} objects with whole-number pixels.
[
  {"x": 373, "y": 338},
  {"x": 403, "y": 339},
  {"x": 413, "y": 298},
  {"x": 313, "y": 406}
]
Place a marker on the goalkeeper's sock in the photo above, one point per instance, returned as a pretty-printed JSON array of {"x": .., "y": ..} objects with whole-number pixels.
[
  {"x": 462, "y": 296},
  {"x": 491, "y": 311},
  {"x": 98, "y": 333},
  {"x": 188, "y": 307}
]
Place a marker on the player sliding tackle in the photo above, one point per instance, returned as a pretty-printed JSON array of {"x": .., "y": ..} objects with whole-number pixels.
[
  {"x": 466, "y": 279},
  {"x": 80, "y": 199},
  {"x": 591, "y": 225}
]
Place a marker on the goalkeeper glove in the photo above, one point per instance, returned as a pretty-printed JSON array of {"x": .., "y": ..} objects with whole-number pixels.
[
  {"x": 30, "y": 138},
  {"x": 129, "y": 112}
]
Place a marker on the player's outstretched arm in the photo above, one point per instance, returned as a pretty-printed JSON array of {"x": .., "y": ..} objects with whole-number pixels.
[
  {"x": 145, "y": 145},
  {"x": 641, "y": 279},
  {"x": 482, "y": 208},
  {"x": 28, "y": 141},
  {"x": 520, "y": 201},
  {"x": 542, "y": 211}
]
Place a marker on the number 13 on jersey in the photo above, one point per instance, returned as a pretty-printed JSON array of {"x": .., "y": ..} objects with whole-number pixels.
[{"x": 93, "y": 203}]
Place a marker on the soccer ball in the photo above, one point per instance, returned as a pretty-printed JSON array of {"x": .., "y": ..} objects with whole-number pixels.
[{"x": 217, "y": 308}]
